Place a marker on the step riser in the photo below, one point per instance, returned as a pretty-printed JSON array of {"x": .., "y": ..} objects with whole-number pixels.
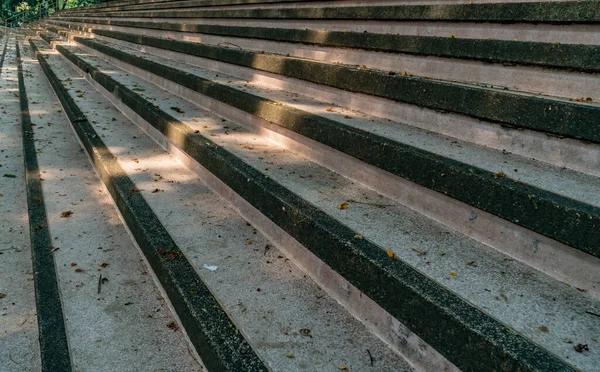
[
  {"x": 307, "y": 4},
  {"x": 379, "y": 321},
  {"x": 528, "y": 79},
  {"x": 108, "y": 242},
  {"x": 536, "y": 250},
  {"x": 19, "y": 327},
  {"x": 567, "y": 153},
  {"x": 211, "y": 331},
  {"x": 54, "y": 348},
  {"x": 267, "y": 194},
  {"x": 571, "y": 34}
]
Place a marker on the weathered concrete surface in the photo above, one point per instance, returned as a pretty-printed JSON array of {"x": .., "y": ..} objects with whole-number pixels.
[
  {"x": 269, "y": 299},
  {"x": 148, "y": 88},
  {"x": 122, "y": 323},
  {"x": 19, "y": 347},
  {"x": 566, "y": 220}
]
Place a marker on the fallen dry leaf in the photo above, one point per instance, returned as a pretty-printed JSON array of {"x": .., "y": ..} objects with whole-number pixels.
[
  {"x": 66, "y": 214},
  {"x": 305, "y": 332},
  {"x": 499, "y": 175},
  {"x": 391, "y": 254},
  {"x": 103, "y": 265},
  {"x": 453, "y": 273},
  {"x": 420, "y": 253},
  {"x": 580, "y": 348},
  {"x": 343, "y": 206}
]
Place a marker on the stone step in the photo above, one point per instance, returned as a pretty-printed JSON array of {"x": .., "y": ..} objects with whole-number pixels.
[
  {"x": 575, "y": 155},
  {"x": 558, "y": 12},
  {"x": 539, "y": 206},
  {"x": 535, "y": 32},
  {"x": 181, "y": 130},
  {"x": 581, "y": 57},
  {"x": 287, "y": 319},
  {"x": 156, "y": 5},
  {"x": 114, "y": 314},
  {"x": 517, "y": 109},
  {"x": 19, "y": 328}
]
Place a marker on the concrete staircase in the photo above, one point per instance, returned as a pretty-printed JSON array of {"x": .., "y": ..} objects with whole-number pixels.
[{"x": 249, "y": 185}]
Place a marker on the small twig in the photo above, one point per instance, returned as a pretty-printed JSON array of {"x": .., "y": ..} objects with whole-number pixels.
[
  {"x": 99, "y": 283},
  {"x": 10, "y": 356},
  {"x": 370, "y": 357},
  {"x": 6, "y": 249},
  {"x": 169, "y": 214},
  {"x": 194, "y": 357},
  {"x": 594, "y": 314},
  {"x": 374, "y": 204},
  {"x": 237, "y": 46}
]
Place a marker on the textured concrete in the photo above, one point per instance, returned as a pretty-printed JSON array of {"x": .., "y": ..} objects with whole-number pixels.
[
  {"x": 19, "y": 347},
  {"x": 125, "y": 326},
  {"x": 532, "y": 12},
  {"x": 501, "y": 282},
  {"x": 250, "y": 4},
  {"x": 270, "y": 300},
  {"x": 562, "y": 152},
  {"x": 549, "y": 55},
  {"x": 548, "y": 33},
  {"x": 530, "y": 207},
  {"x": 212, "y": 333},
  {"x": 96, "y": 63}
]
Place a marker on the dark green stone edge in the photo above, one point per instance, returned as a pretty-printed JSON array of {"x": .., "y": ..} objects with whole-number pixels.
[
  {"x": 214, "y": 335},
  {"x": 162, "y": 4},
  {"x": 558, "y": 117},
  {"x": 569, "y": 221},
  {"x": 54, "y": 347},
  {"x": 528, "y": 12},
  {"x": 469, "y": 338},
  {"x": 575, "y": 57}
]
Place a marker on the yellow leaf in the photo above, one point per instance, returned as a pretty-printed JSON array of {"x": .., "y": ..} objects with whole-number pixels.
[
  {"x": 391, "y": 254},
  {"x": 343, "y": 206},
  {"x": 291, "y": 356},
  {"x": 358, "y": 236},
  {"x": 453, "y": 273},
  {"x": 453, "y": 36},
  {"x": 342, "y": 367}
]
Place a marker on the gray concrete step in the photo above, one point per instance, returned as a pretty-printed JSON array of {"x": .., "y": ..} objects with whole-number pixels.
[
  {"x": 477, "y": 158},
  {"x": 19, "y": 349},
  {"x": 527, "y": 21},
  {"x": 287, "y": 319},
  {"x": 281, "y": 168},
  {"x": 114, "y": 314}
]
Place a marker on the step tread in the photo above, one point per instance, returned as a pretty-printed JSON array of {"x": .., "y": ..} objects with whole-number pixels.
[
  {"x": 445, "y": 248},
  {"x": 560, "y": 192},
  {"x": 544, "y": 54},
  {"x": 558, "y": 12},
  {"x": 18, "y": 328},
  {"x": 210, "y": 232},
  {"x": 127, "y": 324}
]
